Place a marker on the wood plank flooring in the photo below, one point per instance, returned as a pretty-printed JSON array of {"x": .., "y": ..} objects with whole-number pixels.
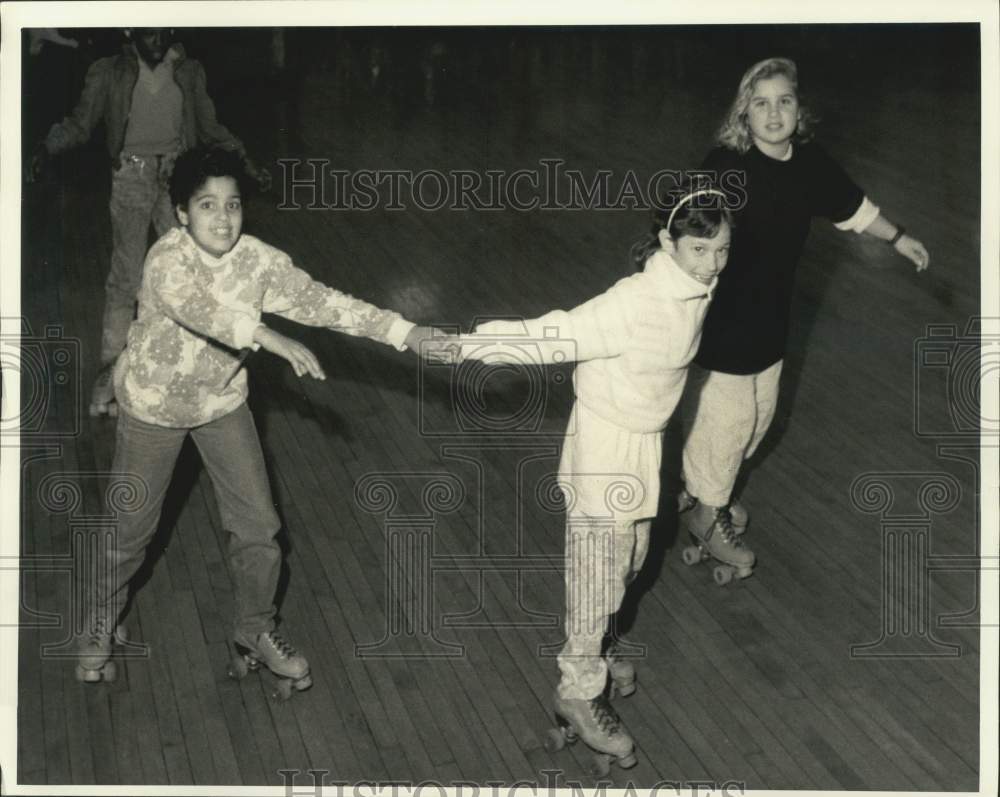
[{"x": 446, "y": 673}]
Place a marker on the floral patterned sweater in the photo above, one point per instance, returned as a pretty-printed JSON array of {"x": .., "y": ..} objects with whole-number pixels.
[{"x": 183, "y": 365}]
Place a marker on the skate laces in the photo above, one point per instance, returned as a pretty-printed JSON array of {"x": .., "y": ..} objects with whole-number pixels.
[
  {"x": 100, "y": 630},
  {"x": 284, "y": 648},
  {"x": 607, "y": 720},
  {"x": 724, "y": 524}
]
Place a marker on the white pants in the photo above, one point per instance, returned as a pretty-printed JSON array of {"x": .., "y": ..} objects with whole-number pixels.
[
  {"x": 726, "y": 416},
  {"x": 601, "y": 559}
]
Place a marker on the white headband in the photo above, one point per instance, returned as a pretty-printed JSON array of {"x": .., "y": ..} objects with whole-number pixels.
[{"x": 703, "y": 192}]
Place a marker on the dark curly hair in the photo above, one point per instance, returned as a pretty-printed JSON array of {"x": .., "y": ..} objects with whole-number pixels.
[
  {"x": 196, "y": 165},
  {"x": 697, "y": 208}
]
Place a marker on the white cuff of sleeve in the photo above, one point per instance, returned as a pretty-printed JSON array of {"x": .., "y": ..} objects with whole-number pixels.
[
  {"x": 396, "y": 336},
  {"x": 243, "y": 333},
  {"x": 866, "y": 213}
]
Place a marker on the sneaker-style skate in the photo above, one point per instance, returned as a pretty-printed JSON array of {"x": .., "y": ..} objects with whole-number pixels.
[
  {"x": 599, "y": 726},
  {"x": 102, "y": 397},
  {"x": 714, "y": 537},
  {"x": 95, "y": 663},
  {"x": 738, "y": 514},
  {"x": 621, "y": 670},
  {"x": 278, "y": 655}
]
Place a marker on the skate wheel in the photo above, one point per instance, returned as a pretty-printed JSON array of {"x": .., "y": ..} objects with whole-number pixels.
[
  {"x": 744, "y": 572},
  {"x": 83, "y": 675},
  {"x": 109, "y": 672},
  {"x": 628, "y": 761},
  {"x": 624, "y": 690},
  {"x": 723, "y": 574},
  {"x": 601, "y": 765},
  {"x": 303, "y": 683},
  {"x": 283, "y": 692},
  {"x": 555, "y": 740},
  {"x": 96, "y": 410},
  {"x": 691, "y": 555},
  {"x": 238, "y": 668},
  {"x": 113, "y": 410}
]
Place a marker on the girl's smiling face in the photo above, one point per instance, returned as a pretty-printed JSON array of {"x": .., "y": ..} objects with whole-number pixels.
[
  {"x": 773, "y": 114},
  {"x": 701, "y": 258},
  {"x": 214, "y": 215}
]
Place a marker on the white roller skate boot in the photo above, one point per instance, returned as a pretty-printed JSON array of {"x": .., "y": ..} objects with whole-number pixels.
[
  {"x": 277, "y": 654},
  {"x": 599, "y": 726},
  {"x": 94, "y": 664},
  {"x": 621, "y": 670},
  {"x": 713, "y": 535},
  {"x": 738, "y": 514},
  {"x": 102, "y": 397}
]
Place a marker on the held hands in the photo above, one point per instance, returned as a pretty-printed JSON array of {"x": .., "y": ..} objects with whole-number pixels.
[
  {"x": 913, "y": 250},
  {"x": 302, "y": 360},
  {"x": 434, "y": 345}
]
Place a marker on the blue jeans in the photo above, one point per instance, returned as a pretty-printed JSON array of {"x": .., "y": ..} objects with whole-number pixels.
[
  {"x": 230, "y": 449},
  {"x": 139, "y": 197}
]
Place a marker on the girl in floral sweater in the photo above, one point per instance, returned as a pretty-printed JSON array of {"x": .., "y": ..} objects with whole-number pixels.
[{"x": 204, "y": 288}]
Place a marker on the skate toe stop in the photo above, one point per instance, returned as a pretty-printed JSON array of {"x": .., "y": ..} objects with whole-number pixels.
[{"x": 555, "y": 740}]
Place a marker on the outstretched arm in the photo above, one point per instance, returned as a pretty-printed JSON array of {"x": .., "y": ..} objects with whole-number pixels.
[
  {"x": 76, "y": 128},
  {"x": 908, "y": 246},
  {"x": 836, "y": 194},
  {"x": 597, "y": 328},
  {"x": 869, "y": 219},
  {"x": 293, "y": 294}
]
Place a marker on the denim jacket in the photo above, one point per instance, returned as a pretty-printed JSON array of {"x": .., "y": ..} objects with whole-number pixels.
[{"x": 107, "y": 96}]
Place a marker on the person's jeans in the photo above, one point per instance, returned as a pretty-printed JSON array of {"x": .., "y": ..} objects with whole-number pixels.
[
  {"x": 230, "y": 449},
  {"x": 139, "y": 196}
]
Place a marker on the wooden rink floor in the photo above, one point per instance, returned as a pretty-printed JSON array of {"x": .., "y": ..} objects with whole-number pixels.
[{"x": 423, "y": 559}]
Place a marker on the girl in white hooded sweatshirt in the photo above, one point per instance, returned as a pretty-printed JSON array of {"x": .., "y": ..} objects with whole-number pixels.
[{"x": 633, "y": 343}]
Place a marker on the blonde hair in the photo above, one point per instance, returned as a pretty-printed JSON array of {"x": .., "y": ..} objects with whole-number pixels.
[{"x": 735, "y": 132}]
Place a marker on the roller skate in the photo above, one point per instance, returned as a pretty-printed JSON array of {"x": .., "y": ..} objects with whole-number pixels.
[
  {"x": 278, "y": 655},
  {"x": 102, "y": 397},
  {"x": 714, "y": 537},
  {"x": 621, "y": 670},
  {"x": 738, "y": 515},
  {"x": 95, "y": 663},
  {"x": 599, "y": 726}
]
